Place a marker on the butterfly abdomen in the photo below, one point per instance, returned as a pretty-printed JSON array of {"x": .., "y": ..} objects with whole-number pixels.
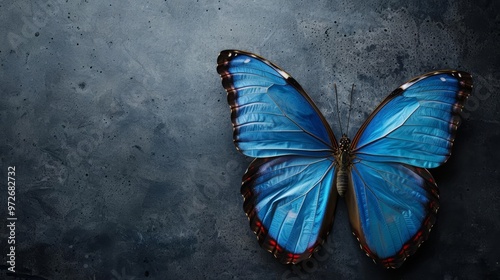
[
  {"x": 343, "y": 161},
  {"x": 342, "y": 181}
]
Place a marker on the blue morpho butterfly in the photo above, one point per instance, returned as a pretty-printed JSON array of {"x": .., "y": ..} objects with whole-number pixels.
[{"x": 291, "y": 188}]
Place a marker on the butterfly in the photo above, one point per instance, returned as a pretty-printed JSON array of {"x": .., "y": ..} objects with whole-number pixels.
[{"x": 291, "y": 188}]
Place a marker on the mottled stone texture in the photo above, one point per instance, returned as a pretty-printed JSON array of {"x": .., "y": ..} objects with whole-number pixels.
[{"x": 114, "y": 116}]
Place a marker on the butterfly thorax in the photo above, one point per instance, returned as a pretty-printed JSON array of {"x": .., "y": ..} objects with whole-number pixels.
[{"x": 344, "y": 161}]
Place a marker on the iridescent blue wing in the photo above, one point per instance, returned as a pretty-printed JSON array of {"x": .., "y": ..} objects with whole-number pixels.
[
  {"x": 416, "y": 123},
  {"x": 392, "y": 208},
  {"x": 290, "y": 203},
  {"x": 392, "y": 198},
  {"x": 289, "y": 198},
  {"x": 271, "y": 113}
]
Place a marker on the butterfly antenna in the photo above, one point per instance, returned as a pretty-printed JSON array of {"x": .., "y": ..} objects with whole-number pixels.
[
  {"x": 338, "y": 111},
  {"x": 350, "y": 109}
]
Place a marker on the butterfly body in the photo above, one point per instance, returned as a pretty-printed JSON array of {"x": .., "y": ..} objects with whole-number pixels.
[
  {"x": 291, "y": 188},
  {"x": 344, "y": 159}
]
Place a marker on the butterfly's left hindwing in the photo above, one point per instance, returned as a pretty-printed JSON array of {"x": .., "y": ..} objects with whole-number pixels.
[{"x": 290, "y": 203}]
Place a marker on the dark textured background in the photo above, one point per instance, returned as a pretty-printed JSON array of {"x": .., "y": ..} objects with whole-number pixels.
[{"x": 114, "y": 116}]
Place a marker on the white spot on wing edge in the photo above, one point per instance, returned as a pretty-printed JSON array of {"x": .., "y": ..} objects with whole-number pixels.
[
  {"x": 416, "y": 80},
  {"x": 246, "y": 60},
  {"x": 405, "y": 86},
  {"x": 283, "y": 73}
]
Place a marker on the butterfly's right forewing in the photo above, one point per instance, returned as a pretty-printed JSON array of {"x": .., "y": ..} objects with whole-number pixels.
[{"x": 416, "y": 124}]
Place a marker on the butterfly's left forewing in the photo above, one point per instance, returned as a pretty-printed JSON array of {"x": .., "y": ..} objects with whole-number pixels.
[
  {"x": 271, "y": 113},
  {"x": 392, "y": 198}
]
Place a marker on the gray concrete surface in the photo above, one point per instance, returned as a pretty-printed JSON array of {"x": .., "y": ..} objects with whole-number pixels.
[{"x": 115, "y": 120}]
